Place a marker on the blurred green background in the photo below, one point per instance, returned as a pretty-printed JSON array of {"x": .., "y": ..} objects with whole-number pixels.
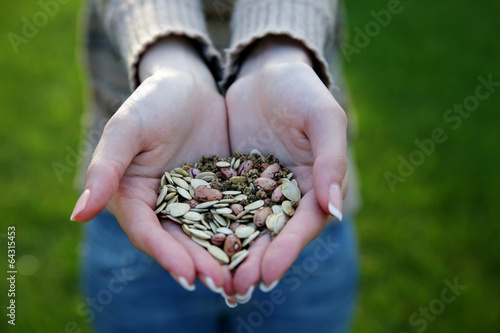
[{"x": 438, "y": 222}]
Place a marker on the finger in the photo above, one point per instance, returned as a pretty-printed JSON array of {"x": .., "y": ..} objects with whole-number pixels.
[
  {"x": 209, "y": 271},
  {"x": 145, "y": 232},
  {"x": 305, "y": 225},
  {"x": 327, "y": 132},
  {"x": 229, "y": 293},
  {"x": 119, "y": 144},
  {"x": 248, "y": 272}
]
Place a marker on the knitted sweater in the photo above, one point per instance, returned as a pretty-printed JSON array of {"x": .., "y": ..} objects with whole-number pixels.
[{"x": 119, "y": 31}]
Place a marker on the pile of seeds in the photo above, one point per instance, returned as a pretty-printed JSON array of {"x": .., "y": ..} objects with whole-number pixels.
[{"x": 224, "y": 204}]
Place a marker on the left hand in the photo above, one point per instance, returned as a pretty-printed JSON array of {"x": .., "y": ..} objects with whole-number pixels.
[{"x": 279, "y": 105}]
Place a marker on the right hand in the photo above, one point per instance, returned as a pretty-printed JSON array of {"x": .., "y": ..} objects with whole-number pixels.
[{"x": 175, "y": 116}]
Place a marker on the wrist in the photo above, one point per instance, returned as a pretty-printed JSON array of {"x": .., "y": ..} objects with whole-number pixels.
[
  {"x": 173, "y": 55},
  {"x": 275, "y": 50}
]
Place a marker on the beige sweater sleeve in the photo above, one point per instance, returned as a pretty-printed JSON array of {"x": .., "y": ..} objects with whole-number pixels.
[
  {"x": 133, "y": 25},
  {"x": 309, "y": 21}
]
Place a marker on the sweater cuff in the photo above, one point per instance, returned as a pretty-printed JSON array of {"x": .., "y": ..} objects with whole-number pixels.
[
  {"x": 307, "y": 21},
  {"x": 135, "y": 25}
]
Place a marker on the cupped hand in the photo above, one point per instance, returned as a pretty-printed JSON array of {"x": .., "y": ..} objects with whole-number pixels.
[
  {"x": 176, "y": 115},
  {"x": 279, "y": 105}
]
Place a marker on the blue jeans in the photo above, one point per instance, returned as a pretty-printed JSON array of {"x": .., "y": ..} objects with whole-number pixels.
[{"x": 127, "y": 291}]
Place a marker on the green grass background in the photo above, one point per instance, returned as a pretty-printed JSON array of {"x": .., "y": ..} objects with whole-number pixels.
[{"x": 440, "y": 223}]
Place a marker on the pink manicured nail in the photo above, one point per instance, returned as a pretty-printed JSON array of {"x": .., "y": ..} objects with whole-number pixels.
[
  {"x": 335, "y": 201},
  {"x": 80, "y": 204},
  {"x": 267, "y": 288},
  {"x": 245, "y": 298},
  {"x": 184, "y": 284}
]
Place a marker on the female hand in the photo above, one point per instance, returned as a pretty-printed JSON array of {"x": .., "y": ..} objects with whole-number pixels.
[
  {"x": 279, "y": 105},
  {"x": 175, "y": 116}
]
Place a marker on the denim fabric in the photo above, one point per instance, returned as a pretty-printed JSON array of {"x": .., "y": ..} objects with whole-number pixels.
[{"x": 127, "y": 291}]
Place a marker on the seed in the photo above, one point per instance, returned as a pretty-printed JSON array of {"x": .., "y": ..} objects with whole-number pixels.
[
  {"x": 178, "y": 209},
  {"x": 237, "y": 180},
  {"x": 205, "y": 193},
  {"x": 169, "y": 178},
  {"x": 224, "y": 211},
  {"x": 237, "y": 208},
  {"x": 255, "y": 151},
  {"x": 271, "y": 171},
  {"x": 184, "y": 193},
  {"x": 277, "y": 209},
  {"x": 193, "y": 216},
  {"x": 236, "y": 164},
  {"x": 279, "y": 223},
  {"x": 240, "y": 197},
  {"x": 218, "y": 254},
  {"x": 218, "y": 239},
  {"x": 245, "y": 167},
  {"x": 233, "y": 226},
  {"x": 209, "y": 175},
  {"x": 223, "y": 164},
  {"x": 232, "y": 244},
  {"x": 207, "y": 204},
  {"x": 255, "y": 205},
  {"x": 224, "y": 230},
  {"x": 250, "y": 238},
  {"x": 192, "y": 203},
  {"x": 271, "y": 221},
  {"x": 291, "y": 191},
  {"x": 162, "y": 194},
  {"x": 260, "y": 216},
  {"x": 236, "y": 260},
  {"x": 277, "y": 195},
  {"x": 163, "y": 180},
  {"x": 182, "y": 183},
  {"x": 197, "y": 182},
  {"x": 287, "y": 208},
  {"x": 193, "y": 172},
  {"x": 160, "y": 208},
  {"x": 227, "y": 172},
  {"x": 220, "y": 220},
  {"x": 181, "y": 172},
  {"x": 244, "y": 231},
  {"x": 267, "y": 184},
  {"x": 199, "y": 233},
  {"x": 200, "y": 241},
  {"x": 231, "y": 192}
]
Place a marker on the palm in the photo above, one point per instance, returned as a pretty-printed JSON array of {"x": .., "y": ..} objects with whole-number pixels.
[
  {"x": 275, "y": 111},
  {"x": 166, "y": 122}
]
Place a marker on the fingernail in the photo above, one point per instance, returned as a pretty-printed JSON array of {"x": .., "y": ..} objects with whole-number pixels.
[
  {"x": 80, "y": 204},
  {"x": 245, "y": 298},
  {"x": 230, "y": 304},
  {"x": 335, "y": 201},
  {"x": 211, "y": 285},
  {"x": 265, "y": 288},
  {"x": 183, "y": 282}
]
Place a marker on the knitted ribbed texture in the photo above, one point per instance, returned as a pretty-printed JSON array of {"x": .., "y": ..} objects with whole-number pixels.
[
  {"x": 134, "y": 25},
  {"x": 308, "y": 21}
]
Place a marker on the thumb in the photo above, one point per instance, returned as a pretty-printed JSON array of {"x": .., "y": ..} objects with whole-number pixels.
[
  {"x": 119, "y": 144},
  {"x": 327, "y": 133}
]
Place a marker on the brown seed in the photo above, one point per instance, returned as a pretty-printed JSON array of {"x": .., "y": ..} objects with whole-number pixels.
[
  {"x": 260, "y": 216},
  {"x": 267, "y": 201},
  {"x": 263, "y": 166},
  {"x": 277, "y": 195},
  {"x": 267, "y": 184},
  {"x": 227, "y": 172},
  {"x": 204, "y": 193},
  {"x": 245, "y": 167},
  {"x": 232, "y": 244},
  {"x": 193, "y": 172},
  {"x": 237, "y": 208},
  {"x": 233, "y": 226},
  {"x": 192, "y": 203},
  {"x": 271, "y": 171},
  {"x": 218, "y": 239}
]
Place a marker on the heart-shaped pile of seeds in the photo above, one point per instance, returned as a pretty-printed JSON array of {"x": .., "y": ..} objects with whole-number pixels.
[{"x": 224, "y": 204}]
